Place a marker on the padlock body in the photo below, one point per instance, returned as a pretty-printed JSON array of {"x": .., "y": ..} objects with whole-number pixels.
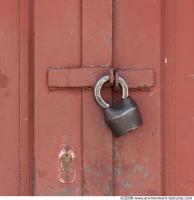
[{"x": 124, "y": 117}]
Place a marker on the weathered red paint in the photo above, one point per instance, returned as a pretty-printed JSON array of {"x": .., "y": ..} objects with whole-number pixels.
[
  {"x": 178, "y": 97},
  {"x": 9, "y": 97},
  {"x": 154, "y": 38}
]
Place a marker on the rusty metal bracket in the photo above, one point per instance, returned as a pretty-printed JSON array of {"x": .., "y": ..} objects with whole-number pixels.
[{"x": 63, "y": 77}]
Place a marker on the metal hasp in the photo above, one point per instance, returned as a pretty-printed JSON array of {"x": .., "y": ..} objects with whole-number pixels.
[
  {"x": 76, "y": 77},
  {"x": 121, "y": 118}
]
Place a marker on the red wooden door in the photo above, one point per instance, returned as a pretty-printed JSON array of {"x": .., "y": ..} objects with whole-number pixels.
[{"x": 52, "y": 53}]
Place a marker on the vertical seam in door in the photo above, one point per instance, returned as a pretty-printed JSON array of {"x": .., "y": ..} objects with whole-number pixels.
[
  {"x": 81, "y": 62},
  {"x": 84, "y": 64},
  {"x": 31, "y": 94},
  {"x": 112, "y": 63},
  {"x": 112, "y": 53},
  {"x": 175, "y": 15},
  {"x": 19, "y": 93},
  {"x": 170, "y": 15},
  {"x": 162, "y": 43}
]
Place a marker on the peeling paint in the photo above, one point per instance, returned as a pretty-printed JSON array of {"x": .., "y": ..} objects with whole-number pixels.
[
  {"x": 109, "y": 188},
  {"x": 117, "y": 155},
  {"x": 146, "y": 174},
  {"x": 138, "y": 168},
  {"x": 117, "y": 159},
  {"x": 127, "y": 184},
  {"x": 117, "y": 169},
  {"x": 91, "y": 171}
]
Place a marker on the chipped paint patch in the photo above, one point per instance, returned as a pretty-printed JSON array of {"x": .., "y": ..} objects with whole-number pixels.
[
  {"x": 117, "y": 155},
  {"x": 127, "y": 184},
  {"x": 91, "y": 171},
  {"x": 95, "y": 170},
  {"x": 138, "y": 168},
  {"x": 117, "y": 159},
  {"x": 146, "y": 174},
  {"x": 117, "y": 169},
  {"x": 66, "y": 165},
  {"x": 109, "y": 188}
]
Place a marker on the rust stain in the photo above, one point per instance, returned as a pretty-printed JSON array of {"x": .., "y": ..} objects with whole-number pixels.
[{"x": 4, "y": 80}]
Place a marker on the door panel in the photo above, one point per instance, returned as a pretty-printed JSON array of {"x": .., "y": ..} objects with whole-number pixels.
[
  {"x": 97, "y": 138},
  {"x": 57, "y": 115},
  {"x": 178, "y": 97},
  {"x": 9, "y": 97},
  {"x": 136, "y": 44}
]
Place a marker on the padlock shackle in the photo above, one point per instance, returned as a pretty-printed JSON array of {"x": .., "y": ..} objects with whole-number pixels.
[{"x": 99, "y": 84}]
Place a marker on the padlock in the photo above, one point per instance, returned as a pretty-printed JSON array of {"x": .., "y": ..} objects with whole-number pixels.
[{"x": 121, "y": 118}]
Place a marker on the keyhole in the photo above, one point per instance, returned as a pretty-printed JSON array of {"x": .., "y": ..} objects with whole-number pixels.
[
  {"x": 67, "y": 165},
  {"x": 67, "y": 161}
]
